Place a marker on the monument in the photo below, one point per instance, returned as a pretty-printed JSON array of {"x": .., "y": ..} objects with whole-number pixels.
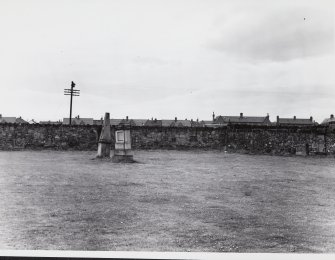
[
  {"x": 123, "y": 152},
  {"x": 105, "y": 140}
]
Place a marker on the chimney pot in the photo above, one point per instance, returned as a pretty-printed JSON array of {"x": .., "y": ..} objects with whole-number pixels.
[
  {"x": 175, "y": 119},
  {"x": 294, "y": 117},
  {"x": 127, "y": 118},
  {"x": 213, "y": 116},
  {"x": 241, "y": 115},
  {"x": 311, "y": 118},
  {"x": 331, "y": 116}
]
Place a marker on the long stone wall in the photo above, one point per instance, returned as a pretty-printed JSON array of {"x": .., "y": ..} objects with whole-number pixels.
[{"x": 257, "y": 140}]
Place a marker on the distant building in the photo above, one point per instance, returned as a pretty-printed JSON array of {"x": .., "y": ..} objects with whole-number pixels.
[
  {"x": 241, "y": 120},
  {"x": 118, "y": 122},
  {"x": 176, "y": 123},
  {"x": 78, "y": 121},
  {"x": 33, "y": 122},
  {"x": 329, "y": 121},
  {"x": 12, "y": 120},
  {"x": 295, "y": 121},
  {"x": 50, "y": 122},
  {"x": 133, "y": 122},
  {"x": 196, "y": 123},
  {"x": 153, "y": 123}
]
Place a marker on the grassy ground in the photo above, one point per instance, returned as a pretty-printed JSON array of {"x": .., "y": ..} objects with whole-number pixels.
[{"x": 170, "y": 201}]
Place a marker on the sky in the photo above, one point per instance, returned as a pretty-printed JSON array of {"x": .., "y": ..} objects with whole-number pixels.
[{"x": 167, "y": 58}]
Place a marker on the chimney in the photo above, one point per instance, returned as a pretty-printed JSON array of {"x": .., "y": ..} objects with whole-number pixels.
[
  {"x": 155, "y": 119},
  {"x": 241, "y": 115},
  {"x": 277, "y": 119},
  {"x": 126, "y": 118},
  {"x": 197, "y": 119},
  {"x": 294, "y": 118},
  {"x": 331, "y": 116},
  {"x": 0, "y": 115},
  {"x": 311, "y": 119},
  {"x": 175, "y": 119},
  {"x": 213, "y": 116}
]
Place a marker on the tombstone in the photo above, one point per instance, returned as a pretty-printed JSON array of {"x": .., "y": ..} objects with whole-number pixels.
[
  {"x": 123, "y": 151},
  {"x": 105, "y": 140}
]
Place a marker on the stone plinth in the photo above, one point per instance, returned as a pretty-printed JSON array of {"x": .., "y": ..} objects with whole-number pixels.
[{"x": 123, "y": 152}]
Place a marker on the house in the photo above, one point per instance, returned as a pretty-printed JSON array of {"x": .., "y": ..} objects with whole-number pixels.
[
  {"x": 50, "y": 122},
  {"x": 329, "y": 121},
  {"x": 196, "y": 123},
  {"x": 241, "y": 120},
  {"x": 295, "y": 121},
  {"x": 78, "y": 121},
  {"x": 176, "y": 123},
  {"x": 33, "y": 122},
  {"x": 117, "y": 122},
  {"x": 133, "y": 122},
  {"x": 153, "y": 123},
  {"x": 98, "y": 122},
  {"x": 209, "y": 123},
  {"x": 12, "y": 120}
]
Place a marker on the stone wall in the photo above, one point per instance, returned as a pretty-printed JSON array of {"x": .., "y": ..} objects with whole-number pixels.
[
  {"x": 246, "y": 139},
  {"x": 57, "y": 137}
]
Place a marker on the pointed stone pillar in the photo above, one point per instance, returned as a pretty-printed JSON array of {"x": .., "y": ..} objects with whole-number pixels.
[{"x": 105, "y": 140}]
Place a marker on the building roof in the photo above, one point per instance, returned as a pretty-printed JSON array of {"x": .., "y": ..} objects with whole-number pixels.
[
  {"x": 295, "y": 121},
  {"x": 133, "y": 122},
  {"x": 153, "y": 122},
  {"x": 242, "y": 119},
  {"x": 115, "y": 121},
  {"x": 185, "y": 122},
  {"x": 330, "y": 120},
  {"x": 78, "y": 121},
  {"x": 167, "y": 122},
  {"x": 196, "y": 123},
  {"x": 98, "y": 122},
  {"x": 8, "y": 119},
  {"x": 138, "y": 122},
  {"x": 49, "y": 122},
  {"x": 12, "y": 119},
  {"x": 32, "y": 121}
]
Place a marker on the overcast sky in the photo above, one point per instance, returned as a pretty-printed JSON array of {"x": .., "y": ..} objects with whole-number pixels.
[{"x": 167, "y": 58}]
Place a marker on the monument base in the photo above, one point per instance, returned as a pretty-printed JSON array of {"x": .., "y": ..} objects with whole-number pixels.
[
  {"x": 104, "y": 150},
  {"x": 126, "y": 156},
  {"x": 123, "y": 159}
]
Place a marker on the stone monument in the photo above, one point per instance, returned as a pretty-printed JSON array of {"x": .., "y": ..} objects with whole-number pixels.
[
  {"x": 105, "y": 140},
  {"x": 123, "y": 151}
]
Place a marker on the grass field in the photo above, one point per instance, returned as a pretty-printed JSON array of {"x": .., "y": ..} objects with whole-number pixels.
[{"x": 170, "y": 201}]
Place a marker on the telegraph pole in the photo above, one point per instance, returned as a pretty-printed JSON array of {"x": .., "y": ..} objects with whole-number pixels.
[{"x": 71, "y": 92}]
